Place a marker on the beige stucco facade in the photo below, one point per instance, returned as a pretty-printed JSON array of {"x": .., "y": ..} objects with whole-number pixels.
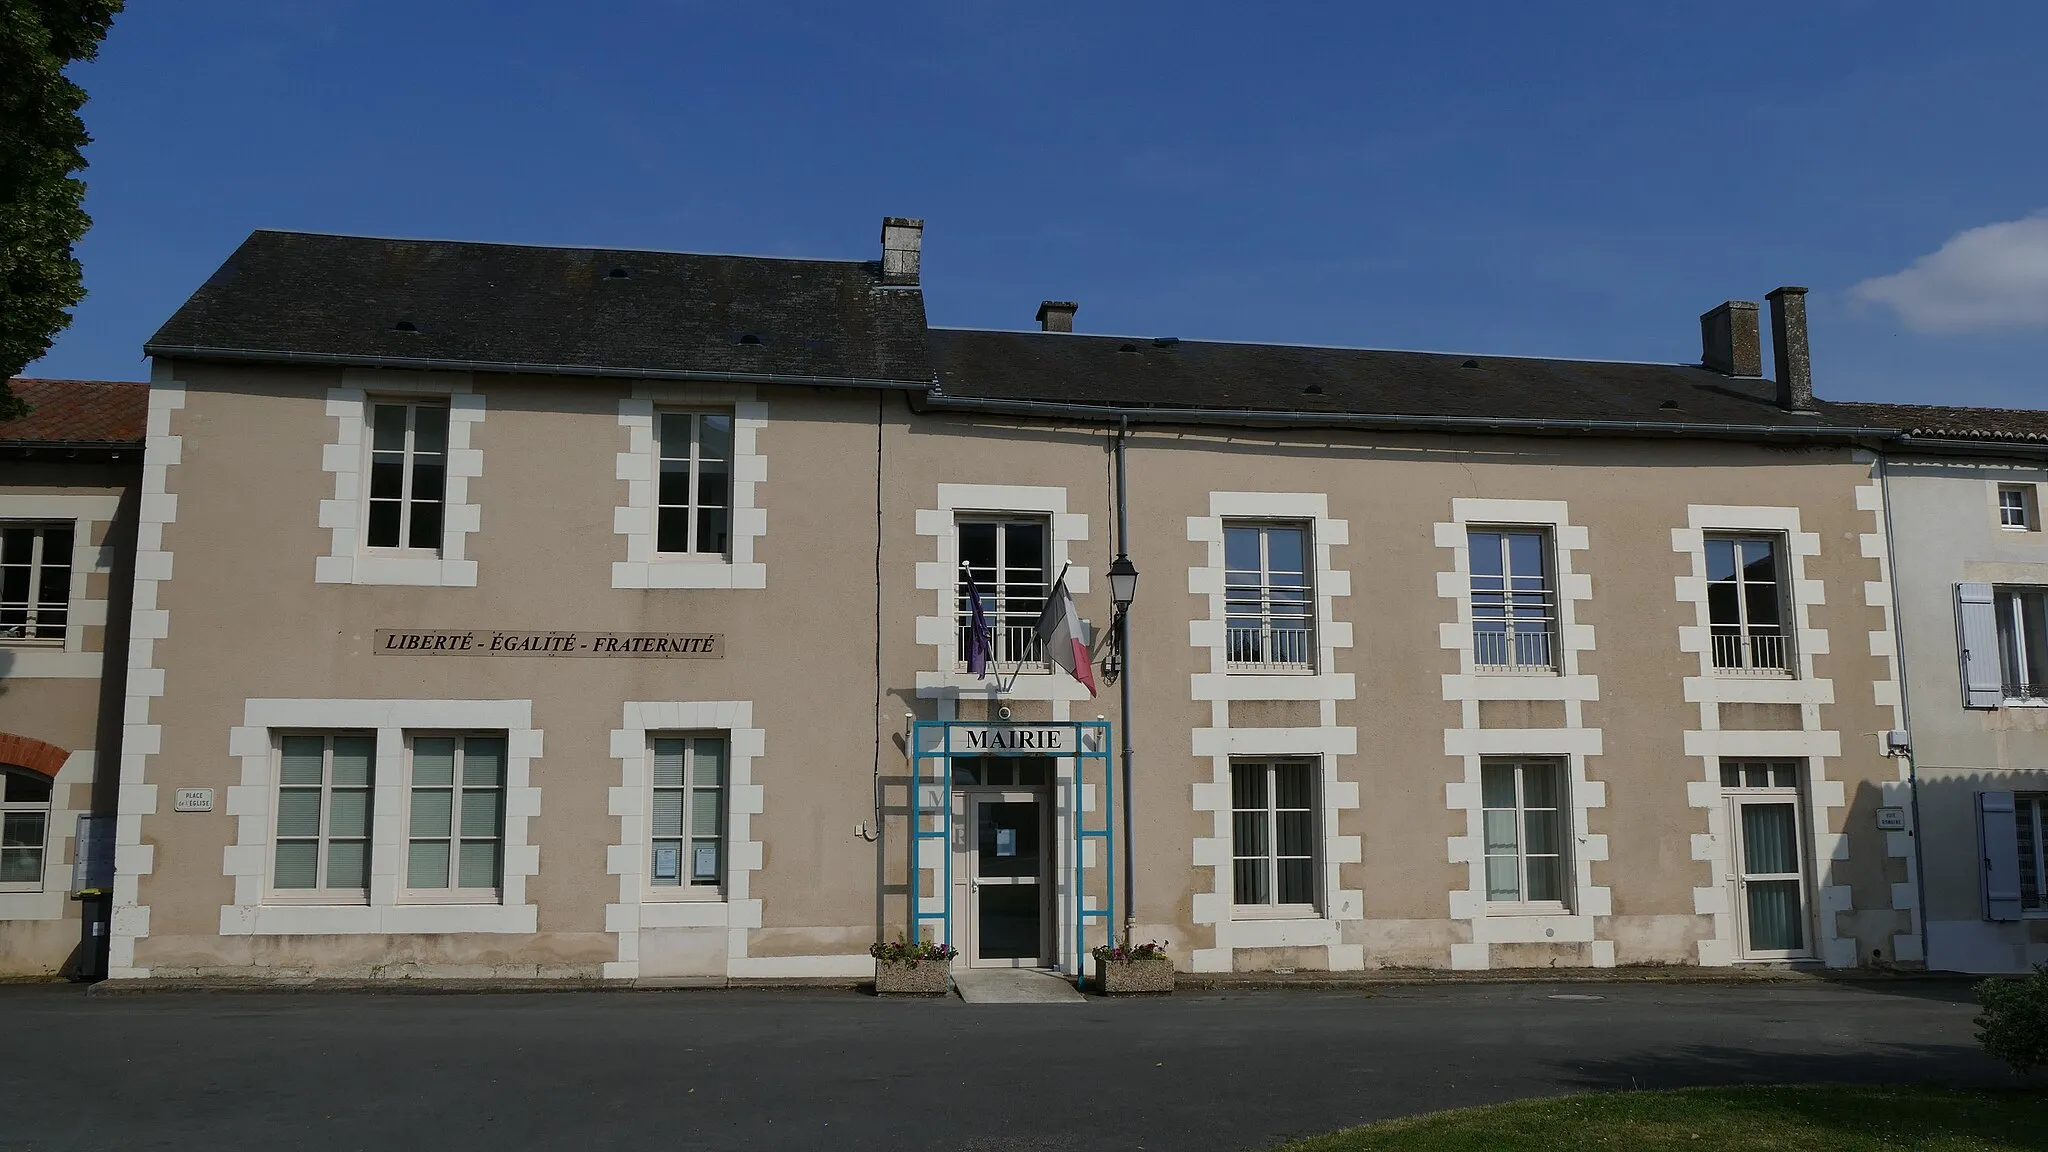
[{"x": 257, "y": 614}]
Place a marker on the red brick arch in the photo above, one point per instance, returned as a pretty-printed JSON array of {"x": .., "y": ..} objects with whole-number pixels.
[{"x": 34, "y": 755}]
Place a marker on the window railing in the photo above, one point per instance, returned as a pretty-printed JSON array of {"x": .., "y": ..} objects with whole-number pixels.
[
  {"x": 1269, "y": 647},
  {"x": 1759, "y": 652},
  {"x": 2020, "y": 690},
  {"x": 1524, "y": 649},
  {"x": 1012, "y": 645}
]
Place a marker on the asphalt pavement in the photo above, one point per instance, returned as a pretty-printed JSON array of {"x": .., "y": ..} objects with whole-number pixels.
[{"x": 786, "y": 1069}]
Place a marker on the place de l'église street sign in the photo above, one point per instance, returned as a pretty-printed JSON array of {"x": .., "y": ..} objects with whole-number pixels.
[{"x": 495, "y": 642}]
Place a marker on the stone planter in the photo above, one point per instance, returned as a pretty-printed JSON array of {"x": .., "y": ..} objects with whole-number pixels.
[
  {"x": 1119, "y": 978},
  {"x": 911, "y": 977}
]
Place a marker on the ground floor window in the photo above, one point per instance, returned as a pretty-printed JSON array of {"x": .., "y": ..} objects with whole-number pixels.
[
  {"x": 1273, "y": 834},
  {"x": 688, "y": 812},
  {"x": 324, "y": 791},
  {"x": 456, "y": 818},
  {"x": 24, "y": 828},
  {"x": 1524, "y": 818}
]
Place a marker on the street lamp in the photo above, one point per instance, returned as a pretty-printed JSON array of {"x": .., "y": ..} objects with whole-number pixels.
[{"x": 1123, "y": 583}]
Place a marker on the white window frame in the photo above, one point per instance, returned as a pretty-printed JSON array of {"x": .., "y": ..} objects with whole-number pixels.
[
  {"x": 694, "y": 505},
  {"x": 687, "y": 889},
  {"x": 1567, "y": 867},
  {"x": 322, "y": 895},
  {"x": 37, "y": 565},
  {"x": 1551, "y": 621},
  {"x": 47, "y": 808},
  {"x": 1273, "y": 908},
  {"x": 1733, "y": 796},
  {"x": 2028, "y": 520},
  {"x": 453, "y": 894},
  {"x": 1260, "y": 595},
  {"x": 2012, "y": 643},
  {"x": 1015, "y": 641},
  {"x": 1747, "y": 633},
  {"x": 408, "y": 461},
  {"x": 2030, "y": 815}
]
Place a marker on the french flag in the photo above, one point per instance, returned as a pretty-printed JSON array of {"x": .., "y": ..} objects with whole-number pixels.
[{"x": 1060, "y": 636}]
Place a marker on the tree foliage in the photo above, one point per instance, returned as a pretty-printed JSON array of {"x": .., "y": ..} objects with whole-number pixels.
[{"x": 42, "y": 212}]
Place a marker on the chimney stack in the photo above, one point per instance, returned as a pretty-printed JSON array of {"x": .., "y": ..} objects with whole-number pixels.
[
  {"x": 1788, "y": 345},
  {"x": 1057, "y": 315},
  {"x": 1729, "y": 339},
  {"x": 902, "y": 245}
]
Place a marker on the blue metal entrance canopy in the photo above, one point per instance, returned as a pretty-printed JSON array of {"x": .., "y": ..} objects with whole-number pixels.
[{"x": 935, "y": 744}]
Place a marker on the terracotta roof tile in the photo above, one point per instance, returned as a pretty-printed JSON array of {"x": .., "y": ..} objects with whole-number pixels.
[{"x": 78, "y": 412}]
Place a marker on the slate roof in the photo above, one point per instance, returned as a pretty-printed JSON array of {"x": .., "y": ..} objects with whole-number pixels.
[
  {"x": 343, "y": 299},
  {"x": 95, "y": 412},
  {"x": 1941, "y": 422},
  {"x": 1126, "y": 372}
]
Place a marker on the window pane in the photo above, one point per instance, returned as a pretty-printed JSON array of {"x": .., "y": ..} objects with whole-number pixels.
[
  {"x": 21, "y": 865},
  {"x": 704, "y": 861},
  {"x": 426, "y": 864},
  {"x": 675, "y": 435},
  {"x": 299, "y": 759},
  {"x": 1770, "y": 839},
  {"x": 387, "y": 476},
  {"x": 668, "y": 763},
  {"x": 1757, "y": 561},
  {"x": 384, "y": 524},
  {"x": 348, "y": 812},
  {"x": 425, "y": 529},
  {"x": 430, "y": 428},
  {"x": 1291, "y": 786},
  {"x": 352, "y": 758},
  {"x": 1297, "y": 882},
  {"x": 714, "y": 437},
  {"x": 1241, "y": 549},
  {"x": 668, "y": 813},
  {"x": 1248, "y": 786},
  {"x": 978, "y": 550},
  {"x": 22, "y": 830},
  {"x": 1763, "y": 604},
  {"x": 483, "y": 762},
  {"x": 1731, "y": 775},
  {"x": 704, "y": 813},
  {"x": 711, "y": 530},
  {"x": 1545, "y": 836},
  {"x": 1540, "y": 786},
  {"x": 479, "y": 864},
  {"x": 433, "y": 761},
  {"x": 1286, "y": 551},
  {"x": 2034, "y": 618},
  {"x": 1500, "y": 832},
  {"x": 1502, "y": 883},
  {"x": 1250, "y": 877},
  {"x": 433, "y": 812},
  {"x": 17, "y": 545},
  {"x": 1546, "y": 878},
  {"x": 388, "y": 428},
  {"x": 672, "y": 530},
  {"x": 298, "y": 812},
  {"x": 714, "y": 486},
  {"x": 348, "y": 864},
  {"x": 25, "y": 787},
  {"x": 480, "y": 813},
  {"x": 1784, "y": 776},
  {"x": 1525, "y": 554},
  {"x": 1758, "y": 775},
  {"x": 1485, "y": 548},
  {"x": 1250, "y": 834},
  {"x": 298, "y": 864},
  {"x": 666, "y": 868},
  {"x": 675, "y": 483},
  {"x": 1720, "y": 559},
  {"x": 1497, "y": 785},
  {"x": 709, "y": 763},
  {"x": 1296, "y": 833},
  {"x": 1724, "y": 605}
]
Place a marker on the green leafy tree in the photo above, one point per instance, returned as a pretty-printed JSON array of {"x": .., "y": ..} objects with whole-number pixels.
[{"x": 42, "y": 210}]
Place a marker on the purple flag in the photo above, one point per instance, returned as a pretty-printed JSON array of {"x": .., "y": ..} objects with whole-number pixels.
[{"x": 978, "y": 634}]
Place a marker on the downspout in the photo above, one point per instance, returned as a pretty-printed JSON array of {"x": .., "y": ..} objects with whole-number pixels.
[
  {"x": 1891, "y": 560},
  {"x": 874, "y": 831},
  {"x": 1123, "y": 643}
]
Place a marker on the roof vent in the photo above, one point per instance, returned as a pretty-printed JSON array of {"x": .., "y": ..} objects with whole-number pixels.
[
  {"x": 1127, "y": 348},
  {"x": 1165, "y": 341},
  {"x": 1469, "y": 364},
  {"x": 405, "y": 326},
  {"x": 620, "y": 273},
  {"x": 1313, "y": 390},
  {"x": 1668, "y": 406},
  {"x": 748, "y": 338}
]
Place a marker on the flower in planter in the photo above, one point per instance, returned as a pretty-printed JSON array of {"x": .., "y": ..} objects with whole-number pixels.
[
  {"x": 1129, "y": 953},
  {"x": 910, "y": 952}
]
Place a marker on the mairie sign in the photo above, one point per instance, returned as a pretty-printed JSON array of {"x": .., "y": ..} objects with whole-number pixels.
[{"x": 1002, "y": 739}]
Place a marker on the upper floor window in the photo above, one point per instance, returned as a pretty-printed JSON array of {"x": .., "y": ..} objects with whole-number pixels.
[
  {"x": 1008, "y": 559},
  {"x": 689, "y": 812},
  {"x": 2023, "y": 641},
  {"x": 1525, "y": 830},
  {"x": 324, "y": 790},
  {"x": 1746, "y": 604},
  {"x": 2016, "y": 506},
  {"x": 456, "y": 822},
  {"x": 408, "y": 474},
  {"x": 1270, "y": 612},
  {"x": 1514, "y": 603},
  {"x": 24, "y": 828},
  {"x": 35, "y": 581},
  {"x": 694, "y": 502}
]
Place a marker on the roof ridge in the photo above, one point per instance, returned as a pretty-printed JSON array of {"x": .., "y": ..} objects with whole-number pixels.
[
  {"x": 1326, "y": 347},
  {"x": 554, "y": 247}
]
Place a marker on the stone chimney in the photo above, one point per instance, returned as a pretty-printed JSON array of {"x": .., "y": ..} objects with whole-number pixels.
[
  {"x": 1057, "y": 315},
  {"x": 1788, "y": 345},
  {"x": 1729, "y": 341},
  {"x": 902, "y": 246}
]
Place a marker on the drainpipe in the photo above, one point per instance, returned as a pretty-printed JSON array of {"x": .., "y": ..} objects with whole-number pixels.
[
  {"x": 1123, "y": 643},
  {"x": 1891, "y": 559}
]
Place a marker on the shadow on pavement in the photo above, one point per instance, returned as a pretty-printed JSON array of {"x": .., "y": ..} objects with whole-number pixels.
[{"x": 1949, "y": 1064}]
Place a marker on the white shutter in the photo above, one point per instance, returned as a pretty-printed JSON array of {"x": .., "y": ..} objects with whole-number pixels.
[
  {"x": 1998, "y": 841},
  {"x": 1977, "y": 641}
]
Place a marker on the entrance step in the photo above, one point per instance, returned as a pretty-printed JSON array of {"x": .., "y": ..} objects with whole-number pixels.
[{"x": 1014, "y": 986}]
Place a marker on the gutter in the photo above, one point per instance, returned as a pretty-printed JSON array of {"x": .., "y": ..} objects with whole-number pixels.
[
  {"x": 1248, "y": 417},
  {"x": 518, "y": 368},
  {"x": 1938, "y": 446},
  {"x": 109, "y": 447}
]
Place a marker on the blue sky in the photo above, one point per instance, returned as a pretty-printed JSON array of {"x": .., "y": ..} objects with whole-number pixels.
[{"x": 1565, "y": 179}]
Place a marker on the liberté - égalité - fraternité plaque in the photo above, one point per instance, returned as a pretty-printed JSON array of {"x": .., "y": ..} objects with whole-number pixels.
[{"x": 495, "y": 642}]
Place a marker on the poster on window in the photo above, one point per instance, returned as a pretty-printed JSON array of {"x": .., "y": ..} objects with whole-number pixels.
[
  {"x": 705, "y": 867},
  {"x": 668, "y": 863}
]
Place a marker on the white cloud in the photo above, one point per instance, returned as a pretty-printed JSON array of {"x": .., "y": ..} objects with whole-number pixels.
[{"x": 1990, "y": 277}]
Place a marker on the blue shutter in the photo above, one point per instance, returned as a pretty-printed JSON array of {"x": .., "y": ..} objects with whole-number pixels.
[
  {"x": 1998, "y": 841},
  {"x": 1977, "y": 641}
]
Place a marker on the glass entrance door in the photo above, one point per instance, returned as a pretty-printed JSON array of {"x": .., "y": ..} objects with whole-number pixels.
[
  {"x": 1007, "y": 881},
  {"x": 1769, "y": 879}
]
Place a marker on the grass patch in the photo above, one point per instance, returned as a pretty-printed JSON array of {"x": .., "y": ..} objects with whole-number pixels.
[{"x": 1821, "y": 1118}]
